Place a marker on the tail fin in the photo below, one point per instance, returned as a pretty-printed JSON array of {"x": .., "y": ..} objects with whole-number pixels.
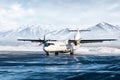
[{"x": 77, "y": 35}]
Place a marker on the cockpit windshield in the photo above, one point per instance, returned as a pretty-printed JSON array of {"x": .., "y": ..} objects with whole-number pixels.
[{"x": 48, "y": 44}]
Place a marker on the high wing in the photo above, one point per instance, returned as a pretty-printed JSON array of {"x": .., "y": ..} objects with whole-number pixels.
[
  {"x": 93, "y": 40},
  {"x": 32, "y": 40},
  {"x": 35, "y": 40},
  {"x": 70, "y": 41},
  {"x": 96, "y": 40}
]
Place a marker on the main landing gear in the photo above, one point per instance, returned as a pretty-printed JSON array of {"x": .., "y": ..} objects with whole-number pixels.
[
  {"x": 71, "y": 53},
  {"x": 56, "y": 53}
]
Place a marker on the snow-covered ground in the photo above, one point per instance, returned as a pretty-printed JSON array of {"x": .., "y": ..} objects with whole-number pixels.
[
  {"x": 101, "y": 51},
  {"x": 21, "y": 48}
]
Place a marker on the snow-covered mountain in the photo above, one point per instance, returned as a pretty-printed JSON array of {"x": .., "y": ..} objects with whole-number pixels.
[
  {"x": 101, "y": 30},
  {"x": 105, "y": 27}
]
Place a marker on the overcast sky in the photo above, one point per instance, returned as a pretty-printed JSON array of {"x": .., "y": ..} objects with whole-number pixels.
[{"x": 84, "y": 13}]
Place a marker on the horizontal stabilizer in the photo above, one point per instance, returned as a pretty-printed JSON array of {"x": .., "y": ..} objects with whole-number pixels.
[
  {"x": 96, "y": 40},
  {"x": 92, "y": 41},
  {"x": 77, "y": 30}
]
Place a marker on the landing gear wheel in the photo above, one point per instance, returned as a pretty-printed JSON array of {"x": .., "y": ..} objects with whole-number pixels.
[
  {"x": 71, "y": 53},
  {"x": 47, "y": 53},
  {"x": 56, "y": 53}
]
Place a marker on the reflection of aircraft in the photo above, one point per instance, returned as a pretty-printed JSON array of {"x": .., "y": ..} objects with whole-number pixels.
[{"x": 64, "y": 46}]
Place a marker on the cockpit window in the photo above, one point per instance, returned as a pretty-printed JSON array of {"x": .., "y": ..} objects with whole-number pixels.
[{"x": 48, "y": 44}]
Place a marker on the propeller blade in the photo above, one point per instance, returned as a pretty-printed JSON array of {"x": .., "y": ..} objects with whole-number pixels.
[
  {"x": 40, "y": 44},
  {"x": 44, "y": 38}
]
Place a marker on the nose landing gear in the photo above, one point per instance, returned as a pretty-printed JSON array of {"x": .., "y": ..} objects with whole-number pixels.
[{"x": 47, "y": 53}]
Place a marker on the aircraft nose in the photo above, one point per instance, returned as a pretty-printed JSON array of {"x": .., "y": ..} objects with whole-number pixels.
[{"x": 45, "y": 48}]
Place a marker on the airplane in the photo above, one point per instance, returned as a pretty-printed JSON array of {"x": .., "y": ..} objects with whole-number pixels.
[{"x": 66, "y": 45}]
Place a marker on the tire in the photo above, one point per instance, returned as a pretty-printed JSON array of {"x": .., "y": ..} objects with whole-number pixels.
[
  {"x": 56, "y": 53},
  {"x": 71, "y": 53},
  {"x": 47, "y": 53}
]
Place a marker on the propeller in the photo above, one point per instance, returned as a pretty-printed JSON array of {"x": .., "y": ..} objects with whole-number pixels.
[{"x": 44, "y": 40}]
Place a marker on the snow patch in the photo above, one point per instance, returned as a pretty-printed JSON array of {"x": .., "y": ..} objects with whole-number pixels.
[
  {"x": 101, "y": 51},
  {"x": 20, "y": 48}
]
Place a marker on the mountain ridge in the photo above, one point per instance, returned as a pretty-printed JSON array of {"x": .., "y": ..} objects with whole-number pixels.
[{"x": 100, "y": 30}]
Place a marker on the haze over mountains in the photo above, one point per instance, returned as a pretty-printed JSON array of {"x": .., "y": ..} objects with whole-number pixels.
[{"x": 99, "y": 31}]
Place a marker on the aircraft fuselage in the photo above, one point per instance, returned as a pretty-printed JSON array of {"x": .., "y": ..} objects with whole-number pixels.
[{"x": 59, "y": 47}]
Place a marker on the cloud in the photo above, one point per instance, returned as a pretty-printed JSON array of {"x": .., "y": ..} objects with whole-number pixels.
[
  {"x": 84, "y": 13},
  {"x": 13, "y": 16}
]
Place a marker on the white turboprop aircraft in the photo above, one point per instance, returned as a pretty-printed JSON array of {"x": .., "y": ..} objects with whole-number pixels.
[{"x": 64, "y": 46}]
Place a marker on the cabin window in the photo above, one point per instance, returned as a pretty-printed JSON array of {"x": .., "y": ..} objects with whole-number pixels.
[
  {"x": 48, "y": 44},
  {"x": 62, "y": 45}
]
